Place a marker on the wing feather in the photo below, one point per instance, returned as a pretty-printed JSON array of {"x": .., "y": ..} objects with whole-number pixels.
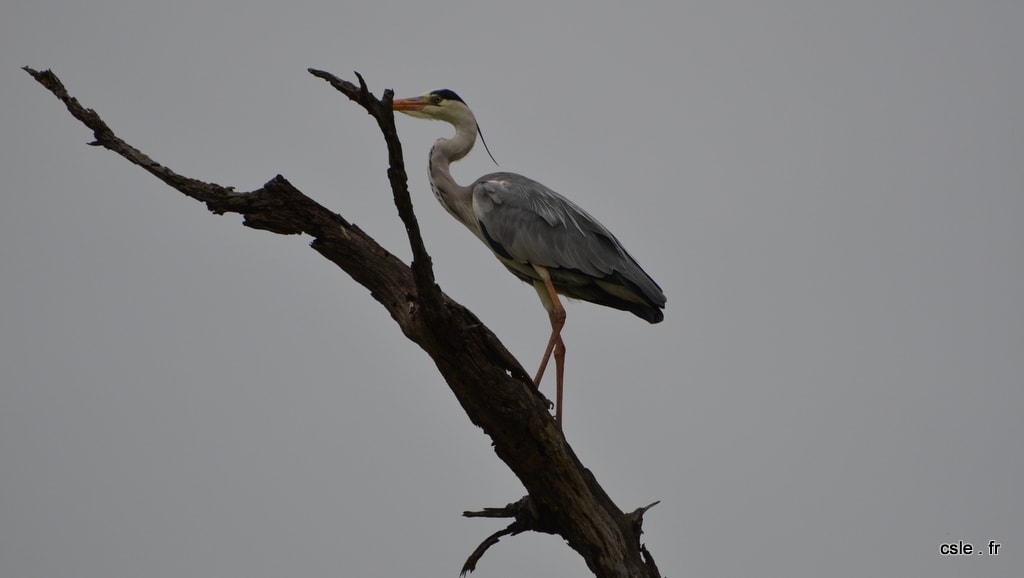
[{"x": 528, "y": 223}]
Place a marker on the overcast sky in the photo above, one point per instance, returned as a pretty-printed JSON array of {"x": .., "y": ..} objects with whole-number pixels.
[{"x": 830, "y": 196}]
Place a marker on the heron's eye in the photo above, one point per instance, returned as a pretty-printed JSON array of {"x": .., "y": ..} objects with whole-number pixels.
[{"x": 435, "y": 99}]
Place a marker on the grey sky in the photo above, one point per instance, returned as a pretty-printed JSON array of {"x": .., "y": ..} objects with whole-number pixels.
[{"x": 829, "y": 194}]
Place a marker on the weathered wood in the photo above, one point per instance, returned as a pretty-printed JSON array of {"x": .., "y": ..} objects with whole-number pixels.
[{"x": 492, "y": 387}]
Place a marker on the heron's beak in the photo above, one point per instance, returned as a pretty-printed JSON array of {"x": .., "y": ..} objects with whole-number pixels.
[{"x": 414, "y": 104}]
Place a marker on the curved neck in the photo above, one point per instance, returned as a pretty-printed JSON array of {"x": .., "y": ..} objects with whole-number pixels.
[{"x": 455, "y": 198}]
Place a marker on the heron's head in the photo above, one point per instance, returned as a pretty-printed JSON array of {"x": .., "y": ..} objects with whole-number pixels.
[{"x": 440, "y": 104}]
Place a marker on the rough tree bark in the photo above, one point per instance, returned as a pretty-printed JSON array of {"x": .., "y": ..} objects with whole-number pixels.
[{"x": 496, "y": 393}]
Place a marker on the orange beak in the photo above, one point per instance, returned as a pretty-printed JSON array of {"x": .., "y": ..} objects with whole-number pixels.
[{"x": 409, "y": 104}]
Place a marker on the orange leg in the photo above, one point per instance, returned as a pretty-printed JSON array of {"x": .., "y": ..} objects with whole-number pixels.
[{"x": 556, "y": 346}]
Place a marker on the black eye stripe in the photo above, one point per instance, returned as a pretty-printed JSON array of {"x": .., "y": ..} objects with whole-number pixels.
[{"x": 447, "y": 95}]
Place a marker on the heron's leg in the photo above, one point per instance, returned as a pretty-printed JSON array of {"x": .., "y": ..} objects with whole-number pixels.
[
  {"x": 555, "y": 344},
  {"x": 557, "y": 319},
  {"x": 559, "y": 375},
  {"x": 547, "y": 352}
]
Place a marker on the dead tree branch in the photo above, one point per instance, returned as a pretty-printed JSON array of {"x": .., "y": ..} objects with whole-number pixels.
[{"x": 494, "y": 390}]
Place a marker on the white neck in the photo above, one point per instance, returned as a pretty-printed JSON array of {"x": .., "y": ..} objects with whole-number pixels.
[{"x": 454, "y": 197}]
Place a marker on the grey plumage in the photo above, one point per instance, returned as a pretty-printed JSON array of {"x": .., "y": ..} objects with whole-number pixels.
[
  {"x": 541, "y": 237},
  {"x": 526, "y": 223}
]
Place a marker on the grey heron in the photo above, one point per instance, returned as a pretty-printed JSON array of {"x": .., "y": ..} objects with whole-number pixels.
[{"x": 540, "y": 236}]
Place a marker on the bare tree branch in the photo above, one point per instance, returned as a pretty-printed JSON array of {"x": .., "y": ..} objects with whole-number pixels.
[
  {"x": 526, "y": 519},
  {"x": 381, "y": 111},
  {"x": 494, "y": 390}
]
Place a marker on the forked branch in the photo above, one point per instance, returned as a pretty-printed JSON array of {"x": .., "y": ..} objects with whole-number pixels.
[{"x": 381, "y": 111}]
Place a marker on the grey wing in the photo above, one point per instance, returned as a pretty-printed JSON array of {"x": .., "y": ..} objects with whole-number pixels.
[{"x": 528, "y": 223}]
